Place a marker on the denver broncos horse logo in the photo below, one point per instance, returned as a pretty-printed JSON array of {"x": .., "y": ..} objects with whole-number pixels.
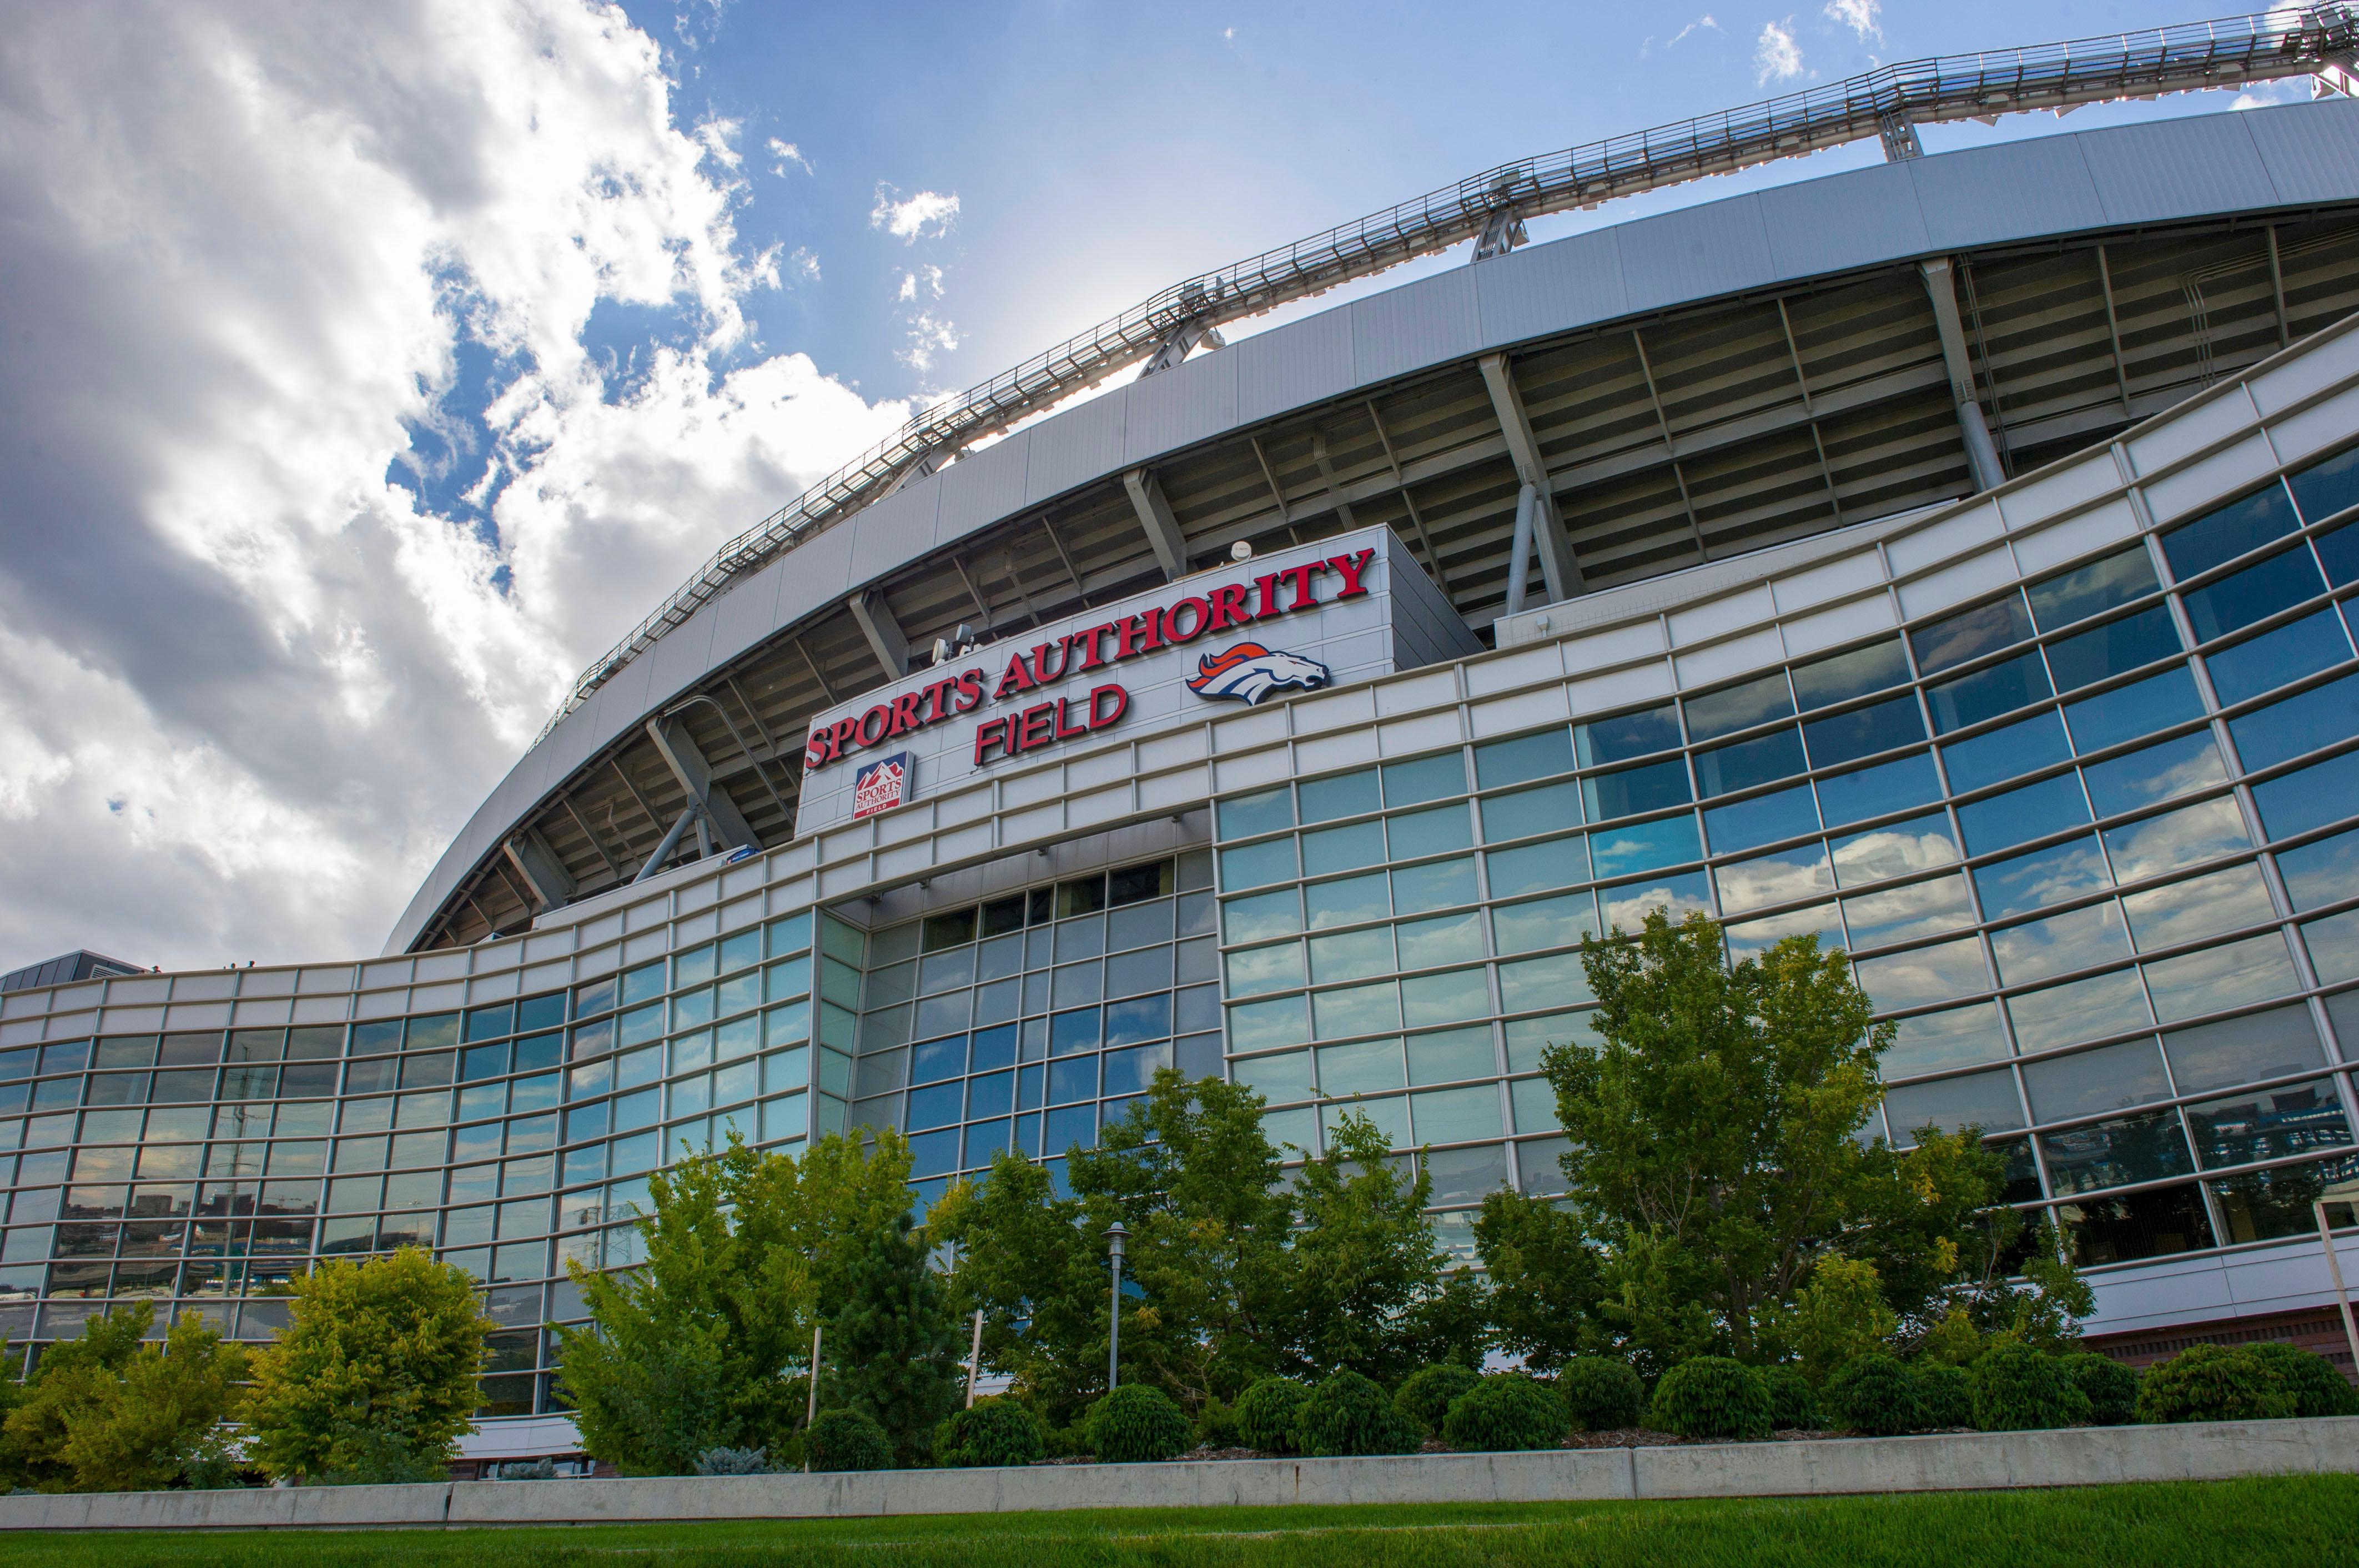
[{"x": 1248, "y": 672}]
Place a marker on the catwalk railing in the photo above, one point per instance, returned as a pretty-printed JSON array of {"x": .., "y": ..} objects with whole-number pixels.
[{"x": 2228, "y": 53}]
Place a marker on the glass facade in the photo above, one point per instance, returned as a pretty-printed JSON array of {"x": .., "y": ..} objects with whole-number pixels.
[{"x": 2095, "y": 880}]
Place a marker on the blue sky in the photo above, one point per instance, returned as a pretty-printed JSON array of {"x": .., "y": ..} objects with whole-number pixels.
[{"x": 375, "y": 367}]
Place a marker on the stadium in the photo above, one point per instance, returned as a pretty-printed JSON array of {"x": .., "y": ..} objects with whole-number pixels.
[{"x": 1949, "y": 557}]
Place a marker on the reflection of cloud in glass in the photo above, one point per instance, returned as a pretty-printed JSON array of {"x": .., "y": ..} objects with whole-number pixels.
[
  {"x": 2334, "y": 945},
  {"x": 1957, "y": 1037},
  {"x": 1756, "y": 936},
  {"x": 2085, "y": 1010},
  {"x": 1679, "y": 897},
  {"x": 1797, "y": 873},
  {"x": 1901, "y": 914},
  {"x": 2077, "y": 939},
  {"x": 2158, "y": 773},
  {"x": 2048, "y": 876},
  {"x": 2320, "y": 873},
  {"x": 1919, "y": 844},
  {"x": 2207, "y": 981},
  {"x": 1926, "y": 974},
  {"x": 2199, "y": 907},
  {"x": 2202, "y": 832}
]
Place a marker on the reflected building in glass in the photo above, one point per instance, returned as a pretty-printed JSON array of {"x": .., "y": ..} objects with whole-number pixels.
[{"x": 2015, "y": 660}]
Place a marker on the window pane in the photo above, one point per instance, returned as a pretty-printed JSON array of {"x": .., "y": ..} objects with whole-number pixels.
[
  {"x": 1456, "y": 1116},
  {"x": 1628, "y": 906},
  {"x": 1969, "y": 634},
  {"x": 2261, "y": 1205},
  {"x": 2319, "y": 716},
  {"x": 1876, "y": 792},
  {"x": 1343, "y": 849},
  {"x": 2260, "y": 590},
  {"x": 1418, "y": 888},
  {"x": 1733, "y": 708},
  {"x": 2228, "y": 532},
  {"x": 2088, "y": 1082},
  {"x": 2112, "y": 648},
  {"x": 1346, "y": 901},
  {"x": 1993, "y": 757},
  {"x": 1265, "y": 914},
  {"x": 1524, "y": 759},
  {"x": 1424, "y": 778},
  {"x": 1528, "y": 811},
  {"x": 1906, "y": 913},
  {"x": 1645, "y": 846},
  {"x": 1446, "y": 939},
  {"x": 1532, "y": 867},
  {"x": 1751, "y": 939},
  {"x": 1367, "y": 1068},
  {"x": 1540, "y": 983},
  {"x": 2044, "y": 876},
  {"x": 2340, "y": 552},
  {"x": 1726, "y": 769},
  {"x": 2158, "y": 772},
  {"x": 2128, "y": 712},
  {"x": 2159, "y": 844},
  {"x": 2199, "y": 908},
  {"x": 2322, "y": 873},
  {"x": 2303, "y": 648},
  {"x": 1801, "y": 872},
  {"x": 1345, "y": 795},
  {"x": 1987, "y": 693},
  {"x": 1263, "y": 812},
  {"x": 1636, "y": 789},
  {"x": 1257, "y": 863},
  {"x": 2299, "y": 1118},
  {"x": 1355, "y": 1009},
  {"x": 1560, "y": 921},
  {"x": 1823, "y": 682},
  {"x": 2327, "y": 486},
  {"x": 1259, "y": 969},
  {"x": 1986, "y": 1100},
  {"x": 1862, "y": 732},
  {"x": 1277, "y": 1079},
  {"x": 1895, "y": 849},
  {"x": 1462, "y": 994},
  {"x": 2155, "y": 1224},
  {"x": 2143, "y": 1147},
  {"x": 1934, "y": 973},
  {"x": 2333, "y": 944},
  {"x": 1437, "y": 831},
  {"x": 2253, "y": 970},
  {"x": 2078, "y": 939},
  {"x": 1453, "y": 1055},
  {"x": 2001, "y": 821},
  {"x": 1351, "y": 955},
  {"x": 1626, "y": 736},
  {"x": 2084, "y": 1009},
  {"x": 1957, "y": 1037},
  {"x": 2257, "y": 1047},
  {"x": 2091, "y": 590},
  {"x": 1764, "y": 819}
]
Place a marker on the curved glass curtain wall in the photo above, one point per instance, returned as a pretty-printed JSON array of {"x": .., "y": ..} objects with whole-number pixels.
[
  {"x": 201, "y": 1171},
  {"x": 2100, "y": 883}
]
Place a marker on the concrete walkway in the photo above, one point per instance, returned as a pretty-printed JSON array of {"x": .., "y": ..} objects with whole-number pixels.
[{"x": 2085, "y": 1456}]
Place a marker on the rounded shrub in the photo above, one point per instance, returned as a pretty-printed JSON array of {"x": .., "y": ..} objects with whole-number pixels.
[
  {"x": 1793, "y": 1403},
  {"x": 727, "y": 1462},
  {"x": 2017, "y": 1388},
  {"x": 1602, "y": 1394},
  {"x": 1347, "y": 1413},
  {"x": 2211, "y": 1382},
  {"x": 1506, "y": 1411},
  {"x": 1265, "y": 1415},
  {"x": 992, "y": 1432},
  {"x": 2112, "y": 1387},
  {"x": 1945, "y": 1395},
  {"x": 1216, "y": 1425},
  {"x": 1424, "y": 1395},
  {"x": 1873, "y": 1394},
  {"x": 1135, "y": 1424},
  {"x": 846, "y": 1440},
  {"x": 1712, "y": 1397},
  {"x": 2318, "y": 1389}
]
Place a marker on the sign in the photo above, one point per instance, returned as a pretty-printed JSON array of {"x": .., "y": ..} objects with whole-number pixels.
[
  {"x": 1246, "y": 672},
  {"x": 881, "y": 786}
]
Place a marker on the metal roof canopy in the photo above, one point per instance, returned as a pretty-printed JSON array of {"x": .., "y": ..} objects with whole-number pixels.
[{"x": 1884, "y": 102}]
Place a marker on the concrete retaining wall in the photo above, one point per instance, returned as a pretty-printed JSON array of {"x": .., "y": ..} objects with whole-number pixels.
[{"x": 2089, "y": 1457}]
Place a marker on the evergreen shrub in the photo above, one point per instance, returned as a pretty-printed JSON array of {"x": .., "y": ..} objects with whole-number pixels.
[
  {"x": 2211, "y": 1382},
  {"x": 1506, "y": 1411},
  {"x": 1793, "y": 1403},
  {"x": 1265, "y": 1415},
  {"x": 1347, "y": 1413},
  {"x": 847, "y": 1440},
  {"x": 1425, "y": 1395},
  {"x": 990, "y": 1433},
  {"x": 1875, "y": 1394},
  {"x": 2018, "y": 1388},
  {"x": 1713, "y": 1397},
  {"x": 1216, "y": 1425},
  {"x": 2318, "y": 1389},
  {"x": 1603, "y": 1394},
  {"x": 1135, "y": 1424},
  {"x": 733, "y": 1462},
  {"x": 2112, "y": 1387},
  {"x": 1945, "y": 1395}
]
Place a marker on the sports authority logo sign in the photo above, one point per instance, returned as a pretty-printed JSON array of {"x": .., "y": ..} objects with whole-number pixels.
[
  {"x": 1245, "y": 672},
  {"x": 881, "y": 786},
  {"x": 1248, "y": 672}
]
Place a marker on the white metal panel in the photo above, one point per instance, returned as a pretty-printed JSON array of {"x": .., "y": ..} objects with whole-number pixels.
[
  {"x": 2188, "y": 428},
  {"x": 1639, "y": 683},
  {"x": 670, "y": 673},
  {"x": 1955, "y": 584},
  {"x": 1547, "y": 288},
  {"x": 1339, "y": 710},
  {"x": 1524, "y": 711},
  {"x": 1406, "y": 329},
  {"x": 1402, "y": 737},
  {"x": 894, "y": 532},
  {"x": 1753, "y": 650},
  {"x": 2067, "y": 487},
  {"x": 1258, "y": 767},
  {"x": 978, "y": 490},
  {"x": 1854, "y": 219},
  {"x": 2210, "y": 479},
  {"x": 1078, "y": 445},
  {"x": 2176, "y": 168},
  {"x": 1509, "y": 670},
  {"x": 1717, "y": 617},
  {"x": 1285, "y": 368},
  {"x": 1417, "y": 694},
  {"x": 2310, "y": 151},
  {"x": 1832, "y": 579},
  {"x": 1954, "y": 535},
  {"x": 2041, "y": 186},
  {"x": 2321, "y": 424},
  {"x": 2040, "y": 549},
  {"x": 1189, "y": 403},
  {"x": 1698, "y": 251},
  {"x": 2329, "y": 362},
  {"x": 1618, "y": 646},
  {"x": 818, "y": 573}
]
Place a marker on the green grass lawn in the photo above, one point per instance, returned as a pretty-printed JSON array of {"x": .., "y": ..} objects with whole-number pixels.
[{"x": 2312, "y": 1521}]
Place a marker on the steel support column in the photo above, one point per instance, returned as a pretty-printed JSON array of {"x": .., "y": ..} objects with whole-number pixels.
[
  {"x": 541, "y": 867},
  {"x": 1981, "y": 453},
  {"x": 882, "y": 632},
  {"x": 1154, "y": 516},
  {"x": 1557, "y": 566},
  {"x": 695, "y": 775}
]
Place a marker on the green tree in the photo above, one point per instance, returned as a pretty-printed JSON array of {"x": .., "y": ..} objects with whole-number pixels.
[
  {"x": 1543, "y": 1279},
  {"x": 112, "y": 1411},
  {"x": 893, "y": 1352},
  {"x": 374, "y": 1376},
  {"x": 1838, "y": 1315},
  {"x": 1367, "y": 1276},
  {"x": 706, "y": 1344},
  {"x": 1022, "y": 1258}
]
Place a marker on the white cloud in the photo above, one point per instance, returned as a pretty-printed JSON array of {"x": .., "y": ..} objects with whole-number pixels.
[
  {"x": 1775, "y": 56},
  {"x": 783, "y": 153},
  {"x": 928, "y": 335},
  {"x": 249, "y": 687},
  {"x": 909, "y": 220},
  {"x": 1703, "y": 23},
  {"x": 1863, "y": 18}
]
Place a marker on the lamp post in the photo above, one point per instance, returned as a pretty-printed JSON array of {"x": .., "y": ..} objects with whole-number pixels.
[
  {"x": 2340, "y": 1192},
  {"x": 1115, "y": 1235}
]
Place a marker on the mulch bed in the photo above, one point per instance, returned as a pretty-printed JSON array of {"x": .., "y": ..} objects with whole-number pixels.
[{"x": 1621, "y": 1437}]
